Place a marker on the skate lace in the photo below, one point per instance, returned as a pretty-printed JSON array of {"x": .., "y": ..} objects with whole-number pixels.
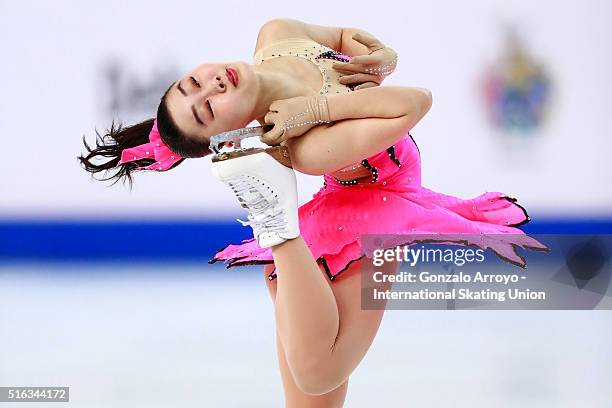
[{"x": 262, "y": 216}]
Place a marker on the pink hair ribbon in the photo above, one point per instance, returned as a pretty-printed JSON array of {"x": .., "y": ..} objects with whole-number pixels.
[{"x": 155, "y": 149}]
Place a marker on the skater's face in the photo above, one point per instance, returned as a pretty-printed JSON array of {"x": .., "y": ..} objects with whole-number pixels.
[{"x": 208, "y": 100}]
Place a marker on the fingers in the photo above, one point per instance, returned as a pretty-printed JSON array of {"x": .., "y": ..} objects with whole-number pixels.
[
  {"x": 270, "y": 137},
  {"x": 273, "y": 137},
  {"x": 366, "y": 85},
  {"x": 357, "y": 63},
  {"x": 369, "y": 41},
  {"x": 347, "y": 68},
  {"x": 275, "y": 106},
  {"x": 366, "y": 59},
  {"x": 269, "y": 118},
  {"x": 359, "y": 78}
]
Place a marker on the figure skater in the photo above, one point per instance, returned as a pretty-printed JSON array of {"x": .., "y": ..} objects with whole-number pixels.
[{"x": 318, "y": 90}]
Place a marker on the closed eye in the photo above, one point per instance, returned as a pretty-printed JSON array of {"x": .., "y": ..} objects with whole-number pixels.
[
  {"x": 210, "y": 108},
  {"x": 196, "y": 83}
]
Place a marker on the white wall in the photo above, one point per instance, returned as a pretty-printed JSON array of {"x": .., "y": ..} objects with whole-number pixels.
[{"x": 55, "y": 90}]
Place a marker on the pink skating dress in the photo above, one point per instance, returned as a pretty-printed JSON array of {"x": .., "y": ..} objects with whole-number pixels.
[{"x": 391, "y": 201}]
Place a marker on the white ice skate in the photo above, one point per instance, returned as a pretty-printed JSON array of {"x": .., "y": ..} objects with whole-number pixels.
[{"x": 265, "y": 184}]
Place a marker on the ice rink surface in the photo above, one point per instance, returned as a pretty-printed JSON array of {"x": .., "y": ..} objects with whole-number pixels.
[{"x": 198, "y": 335}]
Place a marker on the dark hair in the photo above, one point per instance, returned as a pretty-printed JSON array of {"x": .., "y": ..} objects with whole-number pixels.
[{"x": 118, "y": 138}]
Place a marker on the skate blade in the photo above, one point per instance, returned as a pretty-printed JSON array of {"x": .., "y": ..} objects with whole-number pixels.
[
  {"x": 235, "y": 137},
  {"x": 279, "y": 153}
]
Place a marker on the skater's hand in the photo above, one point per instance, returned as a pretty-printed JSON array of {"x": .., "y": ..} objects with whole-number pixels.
[
  {"x": 293, "y": 117},
  {"x": 370, "y": 69}
]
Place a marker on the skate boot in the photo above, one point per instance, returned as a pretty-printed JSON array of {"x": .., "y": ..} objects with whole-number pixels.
[{"x": 265, "y": 184}]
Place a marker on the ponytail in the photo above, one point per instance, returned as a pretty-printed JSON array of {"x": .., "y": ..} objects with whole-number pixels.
[
  {"x": 111, "y": 144},
  {"x": 118, "y": 138}
]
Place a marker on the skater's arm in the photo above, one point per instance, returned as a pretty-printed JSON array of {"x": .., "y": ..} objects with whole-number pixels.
[
  {"x": 336, "y": 38},
  {"x": 364, "y": 123}
]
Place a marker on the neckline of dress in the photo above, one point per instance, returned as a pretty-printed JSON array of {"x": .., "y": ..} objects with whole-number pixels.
[{"x": 324, "y": 77}]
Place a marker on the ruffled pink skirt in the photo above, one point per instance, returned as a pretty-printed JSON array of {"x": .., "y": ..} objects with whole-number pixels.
[{"x": 393, "y": 201}]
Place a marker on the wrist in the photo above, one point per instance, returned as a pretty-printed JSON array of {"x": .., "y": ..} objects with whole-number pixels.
[{"x": 319, "y": 107}]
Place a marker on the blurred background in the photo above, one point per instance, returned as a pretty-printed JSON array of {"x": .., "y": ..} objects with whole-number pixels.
[{"x": 521, "y": 101}]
